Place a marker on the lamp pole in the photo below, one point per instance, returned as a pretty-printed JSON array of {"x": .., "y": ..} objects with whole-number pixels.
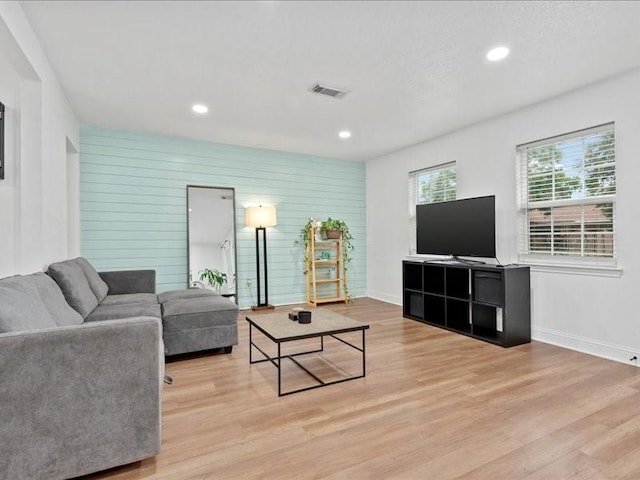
[
  {"x": 264, "y": 261},
  {"x": 261, "y": 217}
]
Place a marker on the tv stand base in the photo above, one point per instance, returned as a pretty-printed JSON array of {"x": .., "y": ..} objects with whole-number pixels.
[{"x": 455, "y": 260}]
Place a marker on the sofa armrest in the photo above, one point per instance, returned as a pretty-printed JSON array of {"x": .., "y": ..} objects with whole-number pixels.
[
  {"x": 130, "y": 281},
  {"x": 80, "y": 399}
]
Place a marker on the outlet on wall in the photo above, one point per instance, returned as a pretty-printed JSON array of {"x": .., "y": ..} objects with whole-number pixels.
[{"x": 249, "y": 283}]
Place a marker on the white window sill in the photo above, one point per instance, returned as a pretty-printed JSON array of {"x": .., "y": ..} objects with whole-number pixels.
[{"x": 591, "y": 270}]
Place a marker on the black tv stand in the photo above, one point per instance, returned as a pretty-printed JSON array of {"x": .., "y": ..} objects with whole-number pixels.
[{"x": 487, "y": 302}]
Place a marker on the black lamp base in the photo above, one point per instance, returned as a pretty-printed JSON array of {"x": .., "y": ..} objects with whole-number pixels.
[{"x": 262, "y": 307}]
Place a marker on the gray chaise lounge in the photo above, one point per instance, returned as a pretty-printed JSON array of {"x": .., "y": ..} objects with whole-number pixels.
[{"x": 81, "y": 379}]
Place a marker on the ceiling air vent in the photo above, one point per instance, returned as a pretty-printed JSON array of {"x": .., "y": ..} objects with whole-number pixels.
[{"x": 329, "y": 91}]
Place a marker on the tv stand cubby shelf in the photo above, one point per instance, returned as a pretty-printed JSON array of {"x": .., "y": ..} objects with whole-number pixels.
[{"x": 482, "y": 301}]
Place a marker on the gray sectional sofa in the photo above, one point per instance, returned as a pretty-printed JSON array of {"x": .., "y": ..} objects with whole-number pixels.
[{"x": 82, "y": 364}]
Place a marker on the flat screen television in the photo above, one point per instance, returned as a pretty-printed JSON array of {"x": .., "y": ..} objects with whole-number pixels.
[{"x": 461, "y": 228}]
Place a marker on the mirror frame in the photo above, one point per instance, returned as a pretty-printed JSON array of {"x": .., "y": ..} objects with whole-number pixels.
[{"x": 235, "y": 233}]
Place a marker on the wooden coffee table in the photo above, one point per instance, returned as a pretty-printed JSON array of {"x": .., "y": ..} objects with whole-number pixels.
[{"x": 278, "y": 328}]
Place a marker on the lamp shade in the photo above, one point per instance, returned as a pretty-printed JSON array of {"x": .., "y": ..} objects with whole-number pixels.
[{"x": 262, "y": 216}]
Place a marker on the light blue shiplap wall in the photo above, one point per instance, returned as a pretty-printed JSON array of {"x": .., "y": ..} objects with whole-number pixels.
[{"x": 133, "y": 205}]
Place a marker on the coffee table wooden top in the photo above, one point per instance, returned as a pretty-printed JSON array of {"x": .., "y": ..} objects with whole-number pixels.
[{"x": 279, "y": 328}]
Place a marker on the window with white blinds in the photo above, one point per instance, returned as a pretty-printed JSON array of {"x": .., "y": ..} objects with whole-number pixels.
[
  {"x": 430, "y": 185},
  {"x": 567, "y": 193}
]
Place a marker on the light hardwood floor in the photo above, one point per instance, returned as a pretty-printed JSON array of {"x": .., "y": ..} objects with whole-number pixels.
[{"x": 434, "y": 405}]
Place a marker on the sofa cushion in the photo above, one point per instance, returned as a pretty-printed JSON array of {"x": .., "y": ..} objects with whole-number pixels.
[
  {"x": 54, "y": 301},
  {"x": 98, "y": 287},
  {"x": 129, "y": 298},
  {"x": 187, "y": 293},
  {"x": 130, "y": 281},
  {"x": 21, "y": 307},
  {"x": 199, "y": 312},
  {"x": 74, "y": 285},
  {"x": 115, "y": 312}
]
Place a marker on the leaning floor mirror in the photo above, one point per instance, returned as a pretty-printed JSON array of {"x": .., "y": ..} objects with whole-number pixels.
[{"x": 211, "y": 239}]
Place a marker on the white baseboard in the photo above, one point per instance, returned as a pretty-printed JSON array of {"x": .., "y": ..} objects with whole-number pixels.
[
  {"x": 383, "y": 297},
  {"x": 609, "y": 351}
]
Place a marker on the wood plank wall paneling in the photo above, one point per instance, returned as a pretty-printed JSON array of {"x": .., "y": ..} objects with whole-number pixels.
[{"x": 133, "y": 205}]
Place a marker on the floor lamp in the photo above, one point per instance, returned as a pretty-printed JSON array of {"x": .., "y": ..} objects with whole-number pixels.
[{"x": 259, "y": 218}]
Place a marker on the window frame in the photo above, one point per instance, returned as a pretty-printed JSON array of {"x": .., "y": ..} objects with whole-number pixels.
[{"x": 526, "y": 206}]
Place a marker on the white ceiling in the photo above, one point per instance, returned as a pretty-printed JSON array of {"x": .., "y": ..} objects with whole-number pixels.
[{"x": 415, "y": 70}]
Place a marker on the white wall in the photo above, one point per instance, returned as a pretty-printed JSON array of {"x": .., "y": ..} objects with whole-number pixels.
[
  {"x": 592, "y": 313},
  {"x": 40, "y": 127},
  {"x": 10, "y": 97}
]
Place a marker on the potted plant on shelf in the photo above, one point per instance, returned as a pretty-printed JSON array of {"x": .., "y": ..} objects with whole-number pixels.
[
  {"x": 328, "y": 225},
  {"x": 335, "y": 229},
  {"x": 213, "y": 277}
]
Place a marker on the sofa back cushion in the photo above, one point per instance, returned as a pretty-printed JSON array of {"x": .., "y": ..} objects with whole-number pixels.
[
  {"x": 74, "y": 285},
  {"x": 21, "y": 307},
  {"x": 54, "y": 301},
  {"x": 98, "y": 287}
]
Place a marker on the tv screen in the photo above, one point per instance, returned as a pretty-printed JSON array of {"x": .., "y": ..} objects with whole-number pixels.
[{"x": 465, "y": 228}]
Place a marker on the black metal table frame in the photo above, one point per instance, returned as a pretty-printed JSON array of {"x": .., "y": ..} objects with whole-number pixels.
[{"x": 277, "y": 361}]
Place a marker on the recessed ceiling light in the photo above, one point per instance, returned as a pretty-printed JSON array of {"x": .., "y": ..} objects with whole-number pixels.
[
  {"x": 497, "y": 53},
  {"x": 199, "y": 108},
  {"x": 344, "y": 134}
]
